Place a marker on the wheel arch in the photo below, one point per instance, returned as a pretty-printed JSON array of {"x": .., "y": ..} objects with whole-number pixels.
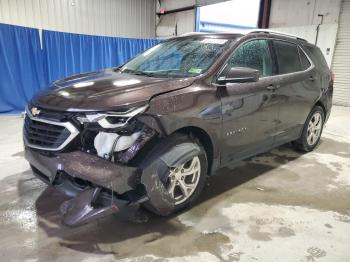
[
  {"x": 320, "y": 104},
  {"x": 204, "y": 138}
]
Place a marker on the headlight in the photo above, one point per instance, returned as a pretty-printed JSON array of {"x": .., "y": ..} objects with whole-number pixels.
[{"x": 112, "y": 119}]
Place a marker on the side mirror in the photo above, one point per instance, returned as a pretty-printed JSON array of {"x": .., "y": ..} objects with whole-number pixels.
[{"x": 239, "y": 75}]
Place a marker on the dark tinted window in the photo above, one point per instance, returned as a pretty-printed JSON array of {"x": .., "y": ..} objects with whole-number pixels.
[
  {"x": 305, "y": 63},
  {"x": 318, "y": 57},
  {"x": 253, "y": 54},
  {"x": 287, "y": 57}
]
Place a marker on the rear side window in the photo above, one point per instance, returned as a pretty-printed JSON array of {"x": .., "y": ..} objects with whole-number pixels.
[
  {"x": 316, "y": 52},
  {"x": 287, "y": 57},
  {"x": 305, "y": 63},
  {"x": 254, "y": 54}
]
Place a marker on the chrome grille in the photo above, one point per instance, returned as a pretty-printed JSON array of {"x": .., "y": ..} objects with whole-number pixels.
[{"x": 46, "y": 134}]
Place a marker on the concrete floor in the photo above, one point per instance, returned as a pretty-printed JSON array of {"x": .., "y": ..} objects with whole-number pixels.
[{"x": 279, "y": 206}]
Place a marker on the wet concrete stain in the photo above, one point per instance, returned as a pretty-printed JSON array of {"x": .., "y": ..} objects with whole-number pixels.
[
  {"x": 285, "y": 232},
  {"x": 315, "y": 252},
  {"x": 255, "y": 233},
  {"x": 344, "y": 219},
  {"x": 107, "y": 236}
]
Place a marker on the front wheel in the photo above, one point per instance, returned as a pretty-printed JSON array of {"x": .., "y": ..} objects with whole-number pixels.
[
  {"x": 312, "y": 130},
  {"x": 185, "y": 180}
]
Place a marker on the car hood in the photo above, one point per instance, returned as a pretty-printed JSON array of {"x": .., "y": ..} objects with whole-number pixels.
[{"x": 104, "y": 90}]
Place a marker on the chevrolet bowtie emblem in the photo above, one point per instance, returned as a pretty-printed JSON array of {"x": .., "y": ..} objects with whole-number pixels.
[{"x": 35, "y": 111}]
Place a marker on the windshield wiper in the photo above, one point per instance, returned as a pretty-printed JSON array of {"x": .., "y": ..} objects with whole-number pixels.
[
  {"x": 142, "y": 73},
  {"x": 136, "y": 72},
  {"x": 165, "y": 73}
]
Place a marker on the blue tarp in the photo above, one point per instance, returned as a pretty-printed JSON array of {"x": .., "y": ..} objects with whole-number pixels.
[
  {"x": 25, "y": 67},
  {"x": 68, "y": 54},
  {"x": 21, "y": 67}
]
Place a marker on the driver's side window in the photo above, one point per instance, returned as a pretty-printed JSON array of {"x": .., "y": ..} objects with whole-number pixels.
[{"x": 254, "y": 54}]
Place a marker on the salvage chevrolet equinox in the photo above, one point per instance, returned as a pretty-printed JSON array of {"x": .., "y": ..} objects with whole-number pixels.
[{"x": 148, "y": 133}]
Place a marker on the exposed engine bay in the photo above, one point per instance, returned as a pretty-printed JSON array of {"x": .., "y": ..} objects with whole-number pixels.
[{"x": 116, "y": 144}]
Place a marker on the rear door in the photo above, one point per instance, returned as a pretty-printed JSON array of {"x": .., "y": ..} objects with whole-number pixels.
[
  {"x": 249, "y": 109},
  {"x": 297, "y": 89}
]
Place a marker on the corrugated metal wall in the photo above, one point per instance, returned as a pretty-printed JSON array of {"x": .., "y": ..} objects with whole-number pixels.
[
  {"x": 288, "y": 13},
  {"x": 341, "y": 60},
  {"x": 125, "y": 18}
]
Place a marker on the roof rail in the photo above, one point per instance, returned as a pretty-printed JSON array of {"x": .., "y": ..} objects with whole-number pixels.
[
  {"x": 192, "y": 33},
  {"x": 276, "y": 33}
]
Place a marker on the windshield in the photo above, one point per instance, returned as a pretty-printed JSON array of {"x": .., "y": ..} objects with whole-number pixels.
[{"x": 177, "y": 58}]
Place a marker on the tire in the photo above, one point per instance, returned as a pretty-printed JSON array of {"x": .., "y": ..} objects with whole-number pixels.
[
  {"x": 160, "y": 149},
  {"x": 305, "y": 143}
]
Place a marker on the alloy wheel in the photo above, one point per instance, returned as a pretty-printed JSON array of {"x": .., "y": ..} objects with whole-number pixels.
[
  {"x": 314, "y": 128},
  {"x": 183, "y": 180}
]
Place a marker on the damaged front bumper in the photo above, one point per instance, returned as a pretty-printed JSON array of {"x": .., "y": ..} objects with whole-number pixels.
[{"x": 99, "y": 187}]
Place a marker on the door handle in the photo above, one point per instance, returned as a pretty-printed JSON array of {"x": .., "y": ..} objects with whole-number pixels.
[{"x": 272, "y": 87}]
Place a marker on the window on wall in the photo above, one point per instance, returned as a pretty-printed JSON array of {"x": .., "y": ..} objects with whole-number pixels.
[
  {"x": 236, "y": 16},
  {"x": 287, "y": 57},
  {"x": 254, "y": 54}
]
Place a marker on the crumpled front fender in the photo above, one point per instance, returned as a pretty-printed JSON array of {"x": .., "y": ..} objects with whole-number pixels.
[{"x": 154, "y": 176}]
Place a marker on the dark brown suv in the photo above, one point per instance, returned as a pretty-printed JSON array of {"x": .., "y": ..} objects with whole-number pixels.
[{"x": 149, "y": 133}]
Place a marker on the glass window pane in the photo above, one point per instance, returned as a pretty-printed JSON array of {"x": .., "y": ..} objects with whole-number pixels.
[
  {"x": 180, "y": 57},
  {"x": 287, "y": 57},
  {"x": 253, "y": 54},
  {"x": 305, "y": 63},
  {"x": 317, "y": 56}
]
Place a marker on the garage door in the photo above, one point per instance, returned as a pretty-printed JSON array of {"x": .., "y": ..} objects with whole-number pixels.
[{"x": 341, "y": 60}]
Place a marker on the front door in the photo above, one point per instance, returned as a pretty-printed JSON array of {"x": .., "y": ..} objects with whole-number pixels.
[{"x": 249, "y": 109}]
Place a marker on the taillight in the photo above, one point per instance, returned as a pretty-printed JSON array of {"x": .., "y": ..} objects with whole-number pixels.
[{"x": 332, "y": 76}]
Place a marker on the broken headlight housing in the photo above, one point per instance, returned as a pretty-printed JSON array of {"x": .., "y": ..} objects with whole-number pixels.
[{"x": 112, "y": 119}]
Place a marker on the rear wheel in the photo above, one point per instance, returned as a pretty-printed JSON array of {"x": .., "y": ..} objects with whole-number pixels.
[
  {"x": 185, "y": 181},
  {"x": 312, "y": 130}
]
